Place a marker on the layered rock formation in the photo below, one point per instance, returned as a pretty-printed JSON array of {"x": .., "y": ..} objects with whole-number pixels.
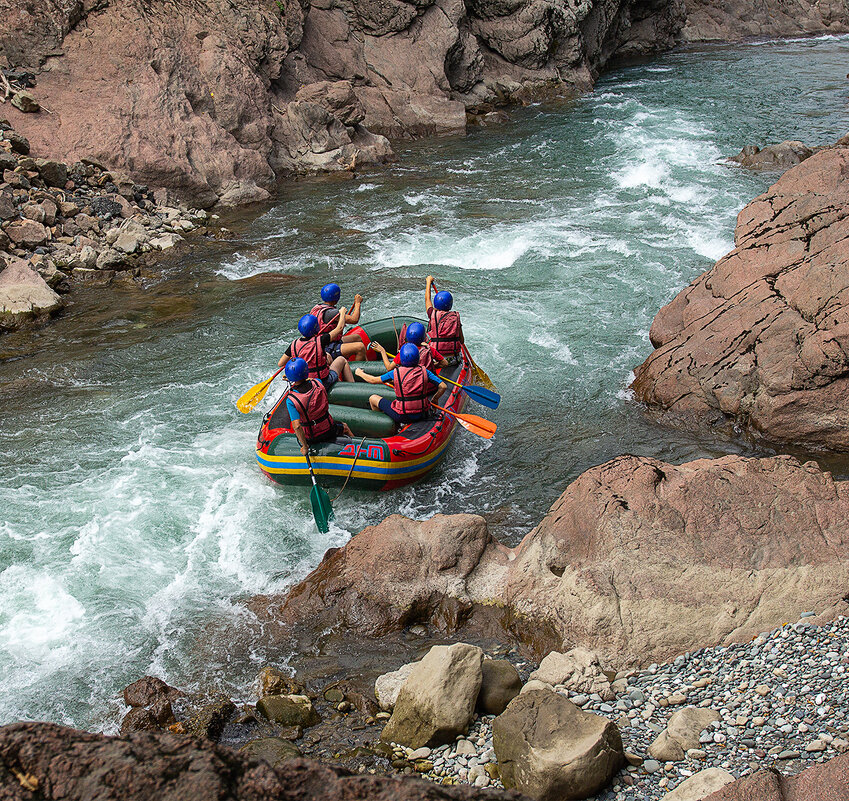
[
  {"x": 761, "y": 341},
  {"x": 220, "y": 100},
  {"x": 44, "y": 761},
  {"x": 638, "y": 559}
]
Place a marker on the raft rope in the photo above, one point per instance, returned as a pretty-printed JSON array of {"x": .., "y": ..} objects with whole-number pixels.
[
  {"x": 397, "y": 336},
  {"x": 351, "y": 471}
]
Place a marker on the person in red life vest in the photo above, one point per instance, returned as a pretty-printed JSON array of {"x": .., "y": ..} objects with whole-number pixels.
[
  {"x": 309, "y": 409},
  {"x": 349, "y": 346},
  {"x": 444, "y": 327},
  {"x": 414, "y": 388},
  {"x": 414, "y": 333},
  {"x": 311, "y": 348}
]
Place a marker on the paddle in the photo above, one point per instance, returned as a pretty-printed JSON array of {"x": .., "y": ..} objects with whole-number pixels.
[
  {"x": 480, "y": 376},
  {"x": 255, "y": 394},
  {"x": 471, "y": 422},
  {"x": 483, "y": 396},
  {"x": 322, "y": 511}
]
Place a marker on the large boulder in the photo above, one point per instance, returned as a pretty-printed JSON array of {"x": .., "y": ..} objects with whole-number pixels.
[
  {"x": 50, "y": 762},
  {"x": 826, "y": 782},
  {"x": 24, "y": 295},
  {"x": 638, "y": 560},
  {"x": 288, "y": 710},
  {"x": 551, "y": 750},
  {"x": 437, "y": 701},
  {"x": 761, "y": 340}
]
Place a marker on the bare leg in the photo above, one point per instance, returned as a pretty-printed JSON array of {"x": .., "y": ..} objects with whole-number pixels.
[
  {"x": 341, "y": 366},
  {"x": 354, "y": 350},
  {"x": 374, "y": 402},
  {"x": 351, "y": 338}
]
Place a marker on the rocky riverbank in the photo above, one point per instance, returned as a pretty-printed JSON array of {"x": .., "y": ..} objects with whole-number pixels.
[{"x": 65, "y": 225}]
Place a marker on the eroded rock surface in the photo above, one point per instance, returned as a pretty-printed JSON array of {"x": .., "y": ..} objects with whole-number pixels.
[
  {"x": 761, "y": 340},
  {"x": 638, "y": 560},
  {"x": 219, "y": 100},
  {"x": 46, "y": 762}
]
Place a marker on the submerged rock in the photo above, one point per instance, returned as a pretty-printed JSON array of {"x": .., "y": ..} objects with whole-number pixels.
[
  {"x": 773, "y": 157},
  {"x": 273, "y": 750},
  {"x": 761, "y": 340}
]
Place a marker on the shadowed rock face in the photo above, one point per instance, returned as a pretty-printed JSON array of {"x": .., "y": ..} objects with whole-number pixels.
[
  {"x": 827, "y": 782},
  {"x": 43, "y": 761},
  {"x": 638, "y": 560},
  {"x": 762, "y": 339}
]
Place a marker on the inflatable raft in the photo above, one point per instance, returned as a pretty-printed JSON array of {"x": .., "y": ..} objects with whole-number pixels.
[{"x": 381, "y": 456}]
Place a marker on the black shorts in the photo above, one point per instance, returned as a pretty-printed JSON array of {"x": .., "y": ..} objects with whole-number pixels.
[
  {"x": 334, "y": 349},
  {"x": 385, "y": 406},
  {"x": 334, "y": 433}
]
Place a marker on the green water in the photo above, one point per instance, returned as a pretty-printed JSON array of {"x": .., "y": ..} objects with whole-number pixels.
[{"x": 134, "y": 521}]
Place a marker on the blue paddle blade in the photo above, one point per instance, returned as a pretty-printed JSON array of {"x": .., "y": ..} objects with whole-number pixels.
[{"x": 485, "y": 397}]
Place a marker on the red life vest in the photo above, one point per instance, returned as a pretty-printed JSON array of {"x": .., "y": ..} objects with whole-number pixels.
[
  {"x": 312, "y": 353},
  {"x": 318, "y": 311},
  {"x": 314, "y": 409},
  {"x": 411, "y": 390},
  {"x": 444, "y": 330}
]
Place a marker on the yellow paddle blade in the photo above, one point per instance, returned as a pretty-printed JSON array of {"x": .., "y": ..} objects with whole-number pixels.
[
  {"x": 481, "y": 377},
  {"x": 253, "y": 396}
]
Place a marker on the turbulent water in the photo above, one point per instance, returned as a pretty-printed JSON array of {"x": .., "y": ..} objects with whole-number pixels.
[{"x": 134, "y": 520}]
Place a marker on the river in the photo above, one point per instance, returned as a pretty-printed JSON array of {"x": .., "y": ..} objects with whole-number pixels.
[{"x": 134, "y": 520}]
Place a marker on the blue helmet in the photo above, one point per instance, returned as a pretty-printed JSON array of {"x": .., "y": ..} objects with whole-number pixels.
[
  {"x": 408, "y": 355},
  {"x": 330, "y": 293},
  {"x": 297, "y": 370},
  {"x": 415, "y": 333},
  {"x": 308, "y": 325},
  {"x": 443, "y": 300}
]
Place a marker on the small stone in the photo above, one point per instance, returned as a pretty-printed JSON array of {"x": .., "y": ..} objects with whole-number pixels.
[
  {"x": 696, "y": 753},
  {"x": 789, "y": 755},
  {"x": 420, "y": 753},
  {"x": 763, "y": 690},
  {"x": 816, "y": 745},
  {"x": 25, "y": 102},
  {"x": 651, "y": 766}
]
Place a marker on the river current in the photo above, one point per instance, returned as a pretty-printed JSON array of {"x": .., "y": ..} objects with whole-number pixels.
[{"x": 134, "y": 520}]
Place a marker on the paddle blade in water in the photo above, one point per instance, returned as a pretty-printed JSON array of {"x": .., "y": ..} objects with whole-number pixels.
[
  {"x": 253, "y": 396},
  {"x": 483, "y": 396},
  {"x": 481, "y": 432},
  {"x": 322, "y": 511}
]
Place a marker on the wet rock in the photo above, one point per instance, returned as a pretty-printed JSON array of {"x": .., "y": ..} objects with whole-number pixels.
[
  {"x": 27, "y": 233},
  {"x": 166, "y": 241},
  {"x": 271, "y": 681},
  {"x": 500, "y": 684},
  {"x": 288, "y": 710},
  {"x": 209, "y": 720},
  {"x": 61, "y": 762},
  {"x": 387, "y": 686},
  {"x": 273, "y": 750},
  {"x": 26, "y": 102},
  {"x": 437, "y": 701},
  {"x": 110, "y": 259},
  {"x": 773, "y": 157},
  {"x": 550, "y": 749},
  {"x": 755, "y": 341},
  {"x": 24, "y": 295}
]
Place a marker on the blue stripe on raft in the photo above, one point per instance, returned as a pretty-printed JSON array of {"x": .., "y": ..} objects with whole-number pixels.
[{"x": 379, "y": 471}]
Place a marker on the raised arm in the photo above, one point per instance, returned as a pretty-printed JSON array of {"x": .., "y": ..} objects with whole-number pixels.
[
  {"x": 340, "y": 324},
  {"x": 354, "y": 315},
  {"x": 428, "y": 288},
  {"x": 283, "y": 359}
]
